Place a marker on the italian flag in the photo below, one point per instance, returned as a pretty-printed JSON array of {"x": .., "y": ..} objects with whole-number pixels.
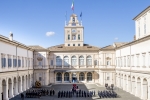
[{"x": 72, "y": 6}]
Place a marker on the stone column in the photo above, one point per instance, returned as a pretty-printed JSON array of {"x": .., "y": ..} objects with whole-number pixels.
[
  {"x": 148, "y": 89},
  {"x": 16, "y": 87},
  {"x": 77, "y": 65},
  {"x": 62, "y": 61},
  {"x": 0, "y": 83},
  {"x": 93, "y": 77},
  {"x": 25, "y": 83},
  {"x": 11, "y": 90},
  {"x": 70, "y": 77},
  {"x": 133, "y": 87},
  {"x": 144, "y": 90},
  {"x": 69, "y": 61},
  {"x": 5, "y": 91},
  {"x": 20, "y": 85},
  {"x": 85, "y": 61},
  {"x": 85, "y": 77},
  {"x": 129, "y": 84},
  {"x": 62, "y": 77},
  {"x": 78, "y": 76}
]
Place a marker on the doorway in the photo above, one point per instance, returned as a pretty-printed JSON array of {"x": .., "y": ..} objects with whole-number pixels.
[{"x": 74, "y": 77}]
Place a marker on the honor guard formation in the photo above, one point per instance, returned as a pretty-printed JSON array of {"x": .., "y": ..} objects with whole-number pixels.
[
  {"x": 75, "y": 92},
  {"x": 37, "y": 93}
]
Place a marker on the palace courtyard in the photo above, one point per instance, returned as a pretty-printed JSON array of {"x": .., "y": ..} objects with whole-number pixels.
[{"x": 122, "y": 95}]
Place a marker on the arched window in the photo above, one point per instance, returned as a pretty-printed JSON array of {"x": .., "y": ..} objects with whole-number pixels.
[
  {"x": 58, "y": 77},
  {"x": 68, "y": 37},
  {"x": 66, "y": 77},
  {"x": 89, "y": 76},
  {"x": 89, "y": 60},
  {"x": 73, "y": 61},
  {"x": 78, "y": 36},
  {"x": 81, "y": 76},
  {"x": 81, "y": 61},
  {"x": 58, "y": 61},
  {"x": 66, "y": 61}
]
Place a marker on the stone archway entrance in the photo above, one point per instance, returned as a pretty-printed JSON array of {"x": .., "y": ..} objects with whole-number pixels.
[
  {"x": 145, "y": 89},
  {"x": 74, "y": 77}
]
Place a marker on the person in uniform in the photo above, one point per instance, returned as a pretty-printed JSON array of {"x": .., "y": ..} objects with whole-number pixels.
[{"x": 53, "y": 92}]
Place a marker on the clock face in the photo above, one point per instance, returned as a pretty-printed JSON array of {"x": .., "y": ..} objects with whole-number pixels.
[{"x": 73, "y": 30}]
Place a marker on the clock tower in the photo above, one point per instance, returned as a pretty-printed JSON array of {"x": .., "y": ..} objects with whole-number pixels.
[{"x": 74, "y": 32}]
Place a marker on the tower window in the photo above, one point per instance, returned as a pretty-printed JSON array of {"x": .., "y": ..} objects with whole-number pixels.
[
  {"x": 78, "y": 44},
  {"x": 68, "y": 44},
  {"x": 68, "y": 37},
  {"x": 73, "y": 37},
  {"x": 73, "y": 44},
  {"x": 78, "y": 37}
]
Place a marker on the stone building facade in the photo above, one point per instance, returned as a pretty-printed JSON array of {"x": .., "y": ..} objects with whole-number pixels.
[{"x": 125, "y": 64}]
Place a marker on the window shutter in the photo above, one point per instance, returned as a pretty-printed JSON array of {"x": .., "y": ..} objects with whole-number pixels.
[{"x": 4, "y": 62}]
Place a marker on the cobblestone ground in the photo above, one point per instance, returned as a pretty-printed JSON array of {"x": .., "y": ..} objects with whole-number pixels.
[{"x": 59, "y": 87}]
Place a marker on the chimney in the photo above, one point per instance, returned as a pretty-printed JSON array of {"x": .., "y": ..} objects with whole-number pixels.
[
  {"x": 11, "y": 36},
  {"x": 134, "y": 37}
]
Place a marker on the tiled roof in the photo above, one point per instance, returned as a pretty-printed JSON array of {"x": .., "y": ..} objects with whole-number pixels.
[
  {"x": 109, "y": 47},
  {"x": 37, "y": 47},
  {"x": 62, "y": 47},
  {"x": 118, "y": 44}
]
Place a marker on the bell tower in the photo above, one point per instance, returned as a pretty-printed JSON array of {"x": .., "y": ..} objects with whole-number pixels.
[{"x": 74, "y": 32}]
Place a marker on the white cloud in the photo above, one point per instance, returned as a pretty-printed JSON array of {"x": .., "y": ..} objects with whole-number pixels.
[
  {"x": 50, "y": 33},
  {"x": 116, "y": 38}
]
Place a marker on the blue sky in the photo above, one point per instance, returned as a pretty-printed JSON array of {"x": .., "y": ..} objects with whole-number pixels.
[{"x": 104, "y": 21}]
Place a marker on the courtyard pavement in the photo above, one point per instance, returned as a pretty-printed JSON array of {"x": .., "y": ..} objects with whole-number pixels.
[{"x": 87, "y": 87}]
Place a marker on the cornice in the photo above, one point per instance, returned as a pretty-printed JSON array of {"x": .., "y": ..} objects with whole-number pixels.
[
  {"x": 135, "y": 42},
  {"x": 143, "y": 12},
  {"x": 134, "y": 71}
]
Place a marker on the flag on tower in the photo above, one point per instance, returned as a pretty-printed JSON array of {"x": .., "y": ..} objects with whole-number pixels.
[
  {"x": 72, "y": 6},
  {"x": 81, "y": 14}
]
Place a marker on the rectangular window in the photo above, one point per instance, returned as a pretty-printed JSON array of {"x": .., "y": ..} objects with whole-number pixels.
[
  {"x": 132, "y": 60},
  {"x": 144, "y": 28},
  {"x": 107, "y": 77},
  {"x": 51, "y": 62},
  {"x": 29, "y": 63},
  {"x": 19, "y": 63},
  {"x": 73, "y": 44},
  {"x": 9, "y": 62},
  {"x": 137, "y": 60},
  {"x": 4, "y": 62},
  {"x": 26, "y": 63},
  {"x": 40, "y": 78},
  {"x": 95, "y": 62},
  {"x": 22, "y": 62},
  {"x": 128, "y": 61},
  {"x": 78, "y": 44},
  {"x": 107, "y": 63},
  {"x": 124, "y": 61},
  {"x": 144, "y": 60},
  {"x": 68, "y": 44}
]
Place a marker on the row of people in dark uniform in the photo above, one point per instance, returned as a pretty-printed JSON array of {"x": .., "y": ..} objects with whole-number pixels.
[
  {"x": 107, "y": 94},
  {"x": 78, "y": 93},
  {"x": 37, "y": 93}
]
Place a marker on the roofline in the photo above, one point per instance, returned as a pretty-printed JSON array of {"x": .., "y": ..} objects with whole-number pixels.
[
  {"x": 13, "y": 42},
  {"x": 140, "y": 14},
  {"x": 135, "y": 42}
]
